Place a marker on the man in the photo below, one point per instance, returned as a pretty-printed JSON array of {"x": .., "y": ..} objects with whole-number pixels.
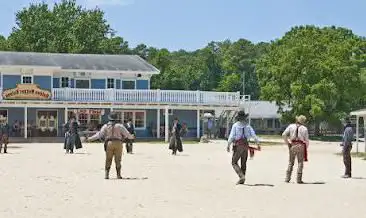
[
  {"x": 113, "y": 133},
  {"x": 240, "y": 134},
  {"x": 72, "y": 138},
  {"x": 296, "y": 136},
  {"x": 210, "y": 125},
  {"x": 4, "y": 136},
  {"x": 175, "y": 142},
  {"x": 348, "y": 137},
  {"x": 131, "y": 129}
]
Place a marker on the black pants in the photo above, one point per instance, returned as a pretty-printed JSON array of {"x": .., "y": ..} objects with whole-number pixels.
[
  {"x": 347, "y": 160},
  {"x": 240, "y": 153},
  {"x": 129, "y": 146}
]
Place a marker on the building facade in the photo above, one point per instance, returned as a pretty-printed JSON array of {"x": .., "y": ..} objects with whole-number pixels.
[{"x": 40, "y": 91}]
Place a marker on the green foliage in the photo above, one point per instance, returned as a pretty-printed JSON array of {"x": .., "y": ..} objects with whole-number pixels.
[{"x": 317, "y": 71}]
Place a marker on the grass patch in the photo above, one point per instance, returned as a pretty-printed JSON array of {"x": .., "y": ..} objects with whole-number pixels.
[
  {"x": 361, "y": 155},
  {"x": 326, "y": 138}
]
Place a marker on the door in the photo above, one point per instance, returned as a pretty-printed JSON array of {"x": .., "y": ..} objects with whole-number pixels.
[
  {"x": 47, "y": 125},
  {"x": 82, "y": 84}
]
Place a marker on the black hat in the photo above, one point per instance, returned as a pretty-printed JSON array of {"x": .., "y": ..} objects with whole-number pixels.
[
  {"x": 348, "y": 120},
  {"x": 112, "y": 116},
  {"x": 241, "y": 115}
]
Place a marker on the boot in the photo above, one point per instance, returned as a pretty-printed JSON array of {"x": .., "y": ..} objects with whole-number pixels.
[
  {"x": 106, "y": 174},
  {"x": 1, "y": 148},
  {"x": 5, "y": 149},
  {"x": 299, "y": 179},
  {"x": 119, "y": 173},
  {"x": 288, "y": 177}
]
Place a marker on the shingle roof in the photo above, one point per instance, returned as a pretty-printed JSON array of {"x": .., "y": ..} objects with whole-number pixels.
[
  {"x": 95, "y": 62},
  {"x": 262, "y": 109}
]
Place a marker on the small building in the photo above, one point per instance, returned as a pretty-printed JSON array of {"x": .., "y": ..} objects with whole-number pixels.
[
  {"x": 360, "y": 114},
  {"x": 39, "y": 92}
]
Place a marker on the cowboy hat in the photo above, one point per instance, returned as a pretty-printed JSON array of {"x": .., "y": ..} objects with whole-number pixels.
[
  {"x": 112, "y": 116},
  {"x": 241, "y": 115},
  {"x": 301, "y": 119}
]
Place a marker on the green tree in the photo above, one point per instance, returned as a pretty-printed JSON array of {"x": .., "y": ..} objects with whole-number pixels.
[
  {"x": 316, "y": 71},
  {"x": 3, "y": 43}
]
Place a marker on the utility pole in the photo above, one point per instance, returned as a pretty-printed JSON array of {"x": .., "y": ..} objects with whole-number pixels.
[{"x": 243, "y": 75}]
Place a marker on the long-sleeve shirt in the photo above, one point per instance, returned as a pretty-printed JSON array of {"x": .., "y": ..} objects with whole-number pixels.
[
  {"x": 348, "y": 135},
  {"x": 236, "y": 132},
  {"x": 112, "y": 131},
  {"x": 290, "y": 132}
]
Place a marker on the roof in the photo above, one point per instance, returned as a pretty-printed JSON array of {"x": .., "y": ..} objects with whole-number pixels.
[
  {"x": 91, "y": 62},
  {"x": 261, "y": 109},
  {"x": 361, "y": 112}
]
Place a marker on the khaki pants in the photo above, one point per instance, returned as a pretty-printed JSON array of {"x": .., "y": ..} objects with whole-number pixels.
[
  {"x": 347, "y": 159},
  {"x": 114, "y": 149},
  {"x": 295, "y": 151}
]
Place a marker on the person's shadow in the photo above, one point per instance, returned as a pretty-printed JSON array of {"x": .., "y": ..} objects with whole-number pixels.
[
  {"x": 358, "y": 178},
  {"x": 131, "y": 178},
  {"x": 259, "y": 184},
  {"x": 313, "y": 183}
]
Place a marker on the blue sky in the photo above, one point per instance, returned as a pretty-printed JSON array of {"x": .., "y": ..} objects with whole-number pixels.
[{"x": 191, "y": 24}]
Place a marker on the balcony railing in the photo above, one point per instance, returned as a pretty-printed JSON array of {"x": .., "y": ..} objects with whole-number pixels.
[{"x": 147, "y": 96}]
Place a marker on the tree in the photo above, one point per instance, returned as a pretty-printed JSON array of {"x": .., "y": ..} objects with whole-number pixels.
[
  {"x": 3, "y": 43},
  {"x": 313, "y": 70},
  {"x": 66, "y": 28}
]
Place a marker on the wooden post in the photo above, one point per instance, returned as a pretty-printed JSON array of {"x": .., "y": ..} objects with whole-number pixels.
[
  {"x": 166, "y": 124},
  {"x": 158, "y": 123},
  {"x": 25, "y": 122},
  {"x": 198, "y": 124}
]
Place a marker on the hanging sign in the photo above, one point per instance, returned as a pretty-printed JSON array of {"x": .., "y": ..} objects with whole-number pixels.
[{"x": 26, "y": 92}]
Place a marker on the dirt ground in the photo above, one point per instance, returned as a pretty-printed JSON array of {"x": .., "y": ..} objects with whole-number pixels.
[{"x": 40, "y": 180}]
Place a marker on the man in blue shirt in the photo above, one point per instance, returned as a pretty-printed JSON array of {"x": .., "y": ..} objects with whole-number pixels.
[
  {"x": 240, "y": 133},
  {"x": 348, "y": 137}
]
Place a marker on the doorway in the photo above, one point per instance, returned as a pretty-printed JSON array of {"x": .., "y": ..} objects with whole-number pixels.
[{"x": 47, "y": 125}]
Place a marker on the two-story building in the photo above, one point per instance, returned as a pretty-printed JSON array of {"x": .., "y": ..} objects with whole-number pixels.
[{"x": 39, "y": 91}]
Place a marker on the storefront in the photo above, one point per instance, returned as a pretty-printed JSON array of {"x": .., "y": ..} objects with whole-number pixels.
[{"x": 87, "y": 118}]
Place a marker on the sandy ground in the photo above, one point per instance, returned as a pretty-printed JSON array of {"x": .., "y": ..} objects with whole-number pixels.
[{"x": 39, "y": 180}]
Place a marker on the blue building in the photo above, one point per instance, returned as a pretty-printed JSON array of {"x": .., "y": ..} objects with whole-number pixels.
[{"x": 39, "y": 91}]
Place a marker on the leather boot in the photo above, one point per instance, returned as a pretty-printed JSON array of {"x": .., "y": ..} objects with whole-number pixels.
[
  {"x": 299, "y": 179},
  {"x": 288, "y": 177},
  {"x": 106, "y": 174},
  {"x": 1, "y": 146},
  {"x": 5, "y": 148},
  {"x": 119, "y": 173}
]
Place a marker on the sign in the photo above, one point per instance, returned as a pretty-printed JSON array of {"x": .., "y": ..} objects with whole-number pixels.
[
  {"x": 89, "y": 111},
  {"x": 26, "y": 92}
]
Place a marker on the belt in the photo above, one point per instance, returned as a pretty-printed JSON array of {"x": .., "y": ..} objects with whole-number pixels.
[{"x": 113, "y": 139}]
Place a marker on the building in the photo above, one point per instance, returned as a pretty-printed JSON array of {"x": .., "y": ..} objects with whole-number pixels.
[
  {"x": 360, "y": 114},
  {"x": 39, "y": 91}
]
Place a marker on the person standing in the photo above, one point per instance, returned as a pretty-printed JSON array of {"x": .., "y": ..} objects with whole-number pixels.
[
  {"x": 131, "y": 129},
  {"x": 113, "y": 133},
  {"x": 239, "y": 136},
  {"x": 175, "y": 143},
  {"x": 348, "y": 137},
  {"x": 4, "y": 136},
  {"x": 296, "y": 136},
  {"x": 72, "y": 138},
  {"x": 210, "y": 126}
]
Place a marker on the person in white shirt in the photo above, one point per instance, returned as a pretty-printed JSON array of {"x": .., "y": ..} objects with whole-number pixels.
[{"x": 296, "y": 136}]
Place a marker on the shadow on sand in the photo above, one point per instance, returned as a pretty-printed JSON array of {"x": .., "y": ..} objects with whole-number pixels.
[
  {"x": 313, "y": 183},
  {"x": 130, "y": 178},
  {"x": 358, "y": 178},
  {"x": 267, "y": 185}
]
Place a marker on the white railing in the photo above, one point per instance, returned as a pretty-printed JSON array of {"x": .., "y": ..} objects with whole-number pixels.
[{"x": 147, "y": 96}]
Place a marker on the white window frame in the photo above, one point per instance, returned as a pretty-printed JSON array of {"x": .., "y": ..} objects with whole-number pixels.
[
  {"x": 133, "y": 117},
  {"x": 88, "y": 79},
  {"x": 68, "y": 81},
  {"x": 114, "y": 83},
  {"x": 31, "y": 76},
  {"x": 128, "y": 80},
  {"x": 170, "y": 112}
]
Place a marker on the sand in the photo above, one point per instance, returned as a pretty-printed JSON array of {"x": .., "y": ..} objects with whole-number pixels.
[{"x": 39, "y": 180}]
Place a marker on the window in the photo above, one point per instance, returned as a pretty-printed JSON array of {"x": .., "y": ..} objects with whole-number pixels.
[
  {"x": 140, "y": 119},
  {"x": 3, "y": 116},
  {"x": 27, "y": 79},
  {"x": 128, "y": 84},
  {"x": 82, "y": 84},
  {"x": 83, "y": 119},
  {"x": 270, "y": 123},
  {"x": 65, "y": 82},
  {"x": 277, "y": 123},
  {"x": 110, "y": 83}
]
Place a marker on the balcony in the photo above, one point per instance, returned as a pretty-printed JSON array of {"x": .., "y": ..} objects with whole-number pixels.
[{"x": 147, "y": 96}]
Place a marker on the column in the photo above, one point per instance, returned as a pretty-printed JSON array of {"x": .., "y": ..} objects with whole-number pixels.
[
  {"x": 198, "y": 124},
  {"x": 166, "y": 124},
  {"x": 357, "y": 132},
  {"x": 66, "y": 115},
  {"x": 158, "y": 123},
  {"x": 364, "y": 130},
  {"x": 25, "y": 122}
]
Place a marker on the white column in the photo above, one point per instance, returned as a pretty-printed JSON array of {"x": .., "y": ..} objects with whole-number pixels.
[
  {"x": 158, "y": 123},
  {"x": 357, "y": 132},
  {"x": 166, "y": 124},
  {"x": 111, "y": 109},
  {"x": 66, "y": 114},
  {"x": 198, "y": 124},
  {"x": 25, "y": 122},
  {"x": 364, "y": 130}
]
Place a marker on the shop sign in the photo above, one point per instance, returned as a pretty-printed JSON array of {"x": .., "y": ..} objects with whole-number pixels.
[{"x": 26, "y": 92}]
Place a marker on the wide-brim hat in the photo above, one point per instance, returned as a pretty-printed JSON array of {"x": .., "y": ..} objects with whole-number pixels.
[
  {"x": 301, "y": 119},
  {"x": 241, "y": 115},
  {"x": 112, "y": 116}
]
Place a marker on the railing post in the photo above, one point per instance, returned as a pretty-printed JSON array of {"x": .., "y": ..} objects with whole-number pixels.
[
  {"x": 158, "y": 96},
  {"x": 198, "y": 96}
]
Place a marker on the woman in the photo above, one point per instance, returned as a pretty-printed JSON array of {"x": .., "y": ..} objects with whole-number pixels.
[{"x": 72, "y": 138}]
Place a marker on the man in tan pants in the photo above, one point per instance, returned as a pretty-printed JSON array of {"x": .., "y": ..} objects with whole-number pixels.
[
  {"x": 296, "y": 136},
  {"x": 113, "y": 133}
]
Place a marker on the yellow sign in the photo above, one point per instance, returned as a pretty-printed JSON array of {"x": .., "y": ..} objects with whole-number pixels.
[{"x": 26, "y": 91}]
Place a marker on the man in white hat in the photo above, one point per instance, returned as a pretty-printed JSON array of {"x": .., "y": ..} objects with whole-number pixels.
[{"x": 296, "y": 136}]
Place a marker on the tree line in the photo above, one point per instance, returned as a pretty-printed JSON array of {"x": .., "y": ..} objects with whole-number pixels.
[{"x": 319, "y": 72}]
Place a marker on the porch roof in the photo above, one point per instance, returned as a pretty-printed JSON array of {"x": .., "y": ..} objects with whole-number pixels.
[
  {"x": 359, "y": 113},
  {"x": 78, "y": 62}
]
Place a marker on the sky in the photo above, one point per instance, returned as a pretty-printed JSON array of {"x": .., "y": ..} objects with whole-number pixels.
[{"x": 192, "y": 24}]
